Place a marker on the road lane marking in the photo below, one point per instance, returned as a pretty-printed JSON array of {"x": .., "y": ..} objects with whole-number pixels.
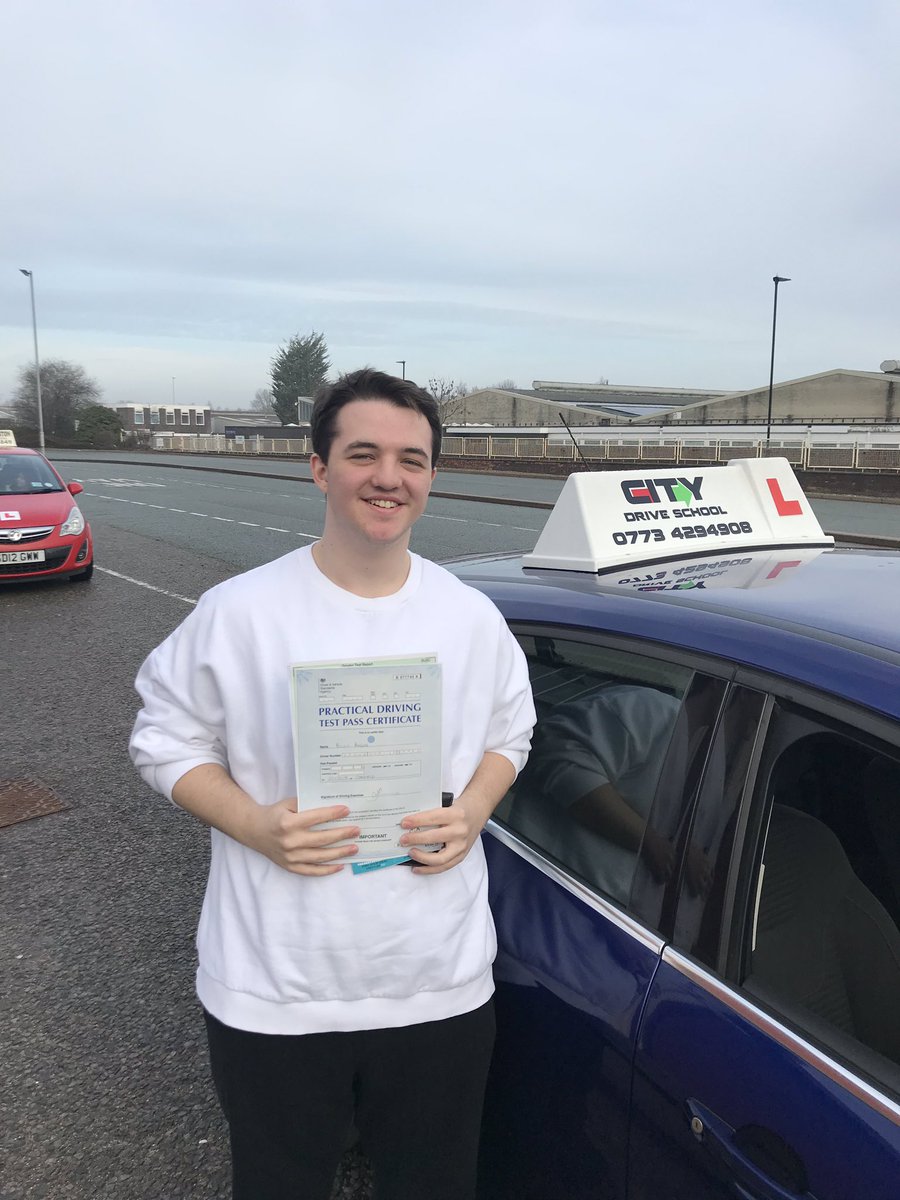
[
  {"x": 121, "y": 482},
  {"x": 149, "y": 586},
  {"x": 310, "y": 537},
  {"x": 468, "y": 521},
  {"x": 294, "y": 496}
]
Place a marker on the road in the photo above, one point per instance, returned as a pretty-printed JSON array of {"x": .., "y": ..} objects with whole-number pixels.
[
  {"x": 836, "y": 515},
  {"x": 104, "y": 1090}
]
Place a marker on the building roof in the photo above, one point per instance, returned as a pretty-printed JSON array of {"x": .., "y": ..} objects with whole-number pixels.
[
  {"x": 614, "y": 400},
  {"x": 243, "y": 416},
  {"x": 164, "y": 407}
]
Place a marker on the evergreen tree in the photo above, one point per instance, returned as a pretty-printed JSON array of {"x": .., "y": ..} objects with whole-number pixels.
[
  {"x": 297, "y": 370},
  {"x": 99, "y": 426}
]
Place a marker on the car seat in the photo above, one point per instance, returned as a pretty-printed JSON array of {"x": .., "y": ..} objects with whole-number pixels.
[{"x": 824, "y": 942}]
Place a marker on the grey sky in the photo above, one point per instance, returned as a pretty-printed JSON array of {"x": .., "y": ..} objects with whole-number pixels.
[{"x": 487, "y": 189}]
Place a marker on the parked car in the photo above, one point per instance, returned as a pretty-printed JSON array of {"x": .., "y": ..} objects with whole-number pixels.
[
  {"x": 43, "y": 533},
  {"x": 696, "y": 879}
]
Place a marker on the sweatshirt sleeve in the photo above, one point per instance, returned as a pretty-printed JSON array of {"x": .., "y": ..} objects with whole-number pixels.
[
  {"x": 513, "y": 717},
  {"x": 182, "y": 722}
]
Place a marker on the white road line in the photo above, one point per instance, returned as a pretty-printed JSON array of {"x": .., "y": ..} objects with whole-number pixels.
[
  {"x": 468, "y": 521},
  {"x": 294, "y": 496},
  {"x": 149, "y": 586},
  {"x": 310, "y": 537}
]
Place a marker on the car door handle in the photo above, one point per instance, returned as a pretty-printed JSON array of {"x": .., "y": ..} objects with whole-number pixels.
[{"x": 749, "y": 1178}]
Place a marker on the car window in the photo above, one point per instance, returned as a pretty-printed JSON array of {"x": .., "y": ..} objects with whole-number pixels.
[
  {"x": 611, "y": 738},
  {"x": 822, "y": 939}
]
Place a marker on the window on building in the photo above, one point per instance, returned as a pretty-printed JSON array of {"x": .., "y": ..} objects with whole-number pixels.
[
  {"x": 138, "y": 416},
  {"x": 154, "y": 416},
  {"x": 200, "y": 416},
  {"x": 170, "y": 416},
  {"x": 185, "y": 417}
]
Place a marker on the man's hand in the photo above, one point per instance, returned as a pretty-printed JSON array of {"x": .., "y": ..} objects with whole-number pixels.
[
  {"x": 454, "y": 826},
  {"x": 290, "y": 840},
  {"x": 659, "y": 854},
  {"x": 278, "y": 831},
  {"x": 459, "y": 825},
  {"x": 699, "y": 871}
]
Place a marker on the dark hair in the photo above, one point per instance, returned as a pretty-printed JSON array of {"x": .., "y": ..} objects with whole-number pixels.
[{"x": 369, "y": 384}]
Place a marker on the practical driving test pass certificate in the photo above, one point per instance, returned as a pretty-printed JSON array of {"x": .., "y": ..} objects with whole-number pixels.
[{"x": 367, "y": 734}]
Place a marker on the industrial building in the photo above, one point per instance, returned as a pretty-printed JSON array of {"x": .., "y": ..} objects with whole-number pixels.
[{"x": 837, "y": 396}]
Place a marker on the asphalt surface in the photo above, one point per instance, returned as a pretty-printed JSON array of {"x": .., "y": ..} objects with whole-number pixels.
[
  {"x": 878, "y": 518},
  {"x": 103, "y": 1079},
  {"x": 104, "y": 1087}
]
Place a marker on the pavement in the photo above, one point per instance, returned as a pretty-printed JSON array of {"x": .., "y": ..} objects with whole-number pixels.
[{"x": 104, "y": 1081}]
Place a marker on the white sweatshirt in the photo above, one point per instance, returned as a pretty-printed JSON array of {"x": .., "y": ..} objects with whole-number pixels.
[{"x": 284, "y": 953}]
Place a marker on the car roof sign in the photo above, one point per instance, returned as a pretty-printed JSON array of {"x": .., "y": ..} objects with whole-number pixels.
[{"x": 604, "y": 520}]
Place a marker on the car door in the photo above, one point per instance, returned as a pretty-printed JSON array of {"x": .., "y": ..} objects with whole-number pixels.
[
  {"x": 768, "y": 1057},
  {"x": 575, "y": 960}
]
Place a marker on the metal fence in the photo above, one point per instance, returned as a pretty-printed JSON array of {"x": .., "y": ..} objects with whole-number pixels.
[{"x": 850, "y": 457}]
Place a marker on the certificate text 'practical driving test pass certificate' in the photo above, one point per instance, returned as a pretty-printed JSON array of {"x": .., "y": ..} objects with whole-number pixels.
[{"x": 367, "y": 734}]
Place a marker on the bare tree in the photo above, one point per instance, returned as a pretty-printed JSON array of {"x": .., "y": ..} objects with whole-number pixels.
[
  {"x": 449, "y": 395},
  {"x": 65, "y": 390},
  {"x": 507, "y": 385},
  {"x": 263, "y": 401}
]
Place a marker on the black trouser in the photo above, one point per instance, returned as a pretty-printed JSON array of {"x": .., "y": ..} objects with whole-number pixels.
[{"x": 415, "y": 1094}]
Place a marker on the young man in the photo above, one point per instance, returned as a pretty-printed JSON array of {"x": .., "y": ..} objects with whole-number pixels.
[{"x": 331, "y": 996}]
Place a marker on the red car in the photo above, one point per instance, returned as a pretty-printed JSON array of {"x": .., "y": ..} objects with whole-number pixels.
[{"x": 43, "y": 533}]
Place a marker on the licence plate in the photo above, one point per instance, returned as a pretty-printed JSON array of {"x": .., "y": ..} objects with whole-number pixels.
[{"x": 21, "y": 556}]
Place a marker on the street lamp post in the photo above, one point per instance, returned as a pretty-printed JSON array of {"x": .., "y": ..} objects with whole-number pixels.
[
  {"x": 776, "y": 279},
  {"x": 37, "y": 361},
  {"x": 401, "y": 362}
]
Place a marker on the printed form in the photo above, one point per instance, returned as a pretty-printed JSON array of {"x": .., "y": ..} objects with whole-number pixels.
[{"x": 367, "y": 734}]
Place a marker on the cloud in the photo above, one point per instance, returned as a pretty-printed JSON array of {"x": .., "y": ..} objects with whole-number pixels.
[{"x": 490, "y": 190}]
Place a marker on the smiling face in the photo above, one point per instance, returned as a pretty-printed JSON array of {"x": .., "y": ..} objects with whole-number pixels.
[{"x": 377, "y": 477}]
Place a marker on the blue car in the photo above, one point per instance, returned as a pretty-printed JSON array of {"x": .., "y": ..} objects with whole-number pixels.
[{"x": 696, "y": 878}]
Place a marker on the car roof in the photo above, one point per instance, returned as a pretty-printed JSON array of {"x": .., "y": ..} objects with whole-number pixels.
[
  {"x": 831, "y": 623},
  {"x": 25, "y": 450}
]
